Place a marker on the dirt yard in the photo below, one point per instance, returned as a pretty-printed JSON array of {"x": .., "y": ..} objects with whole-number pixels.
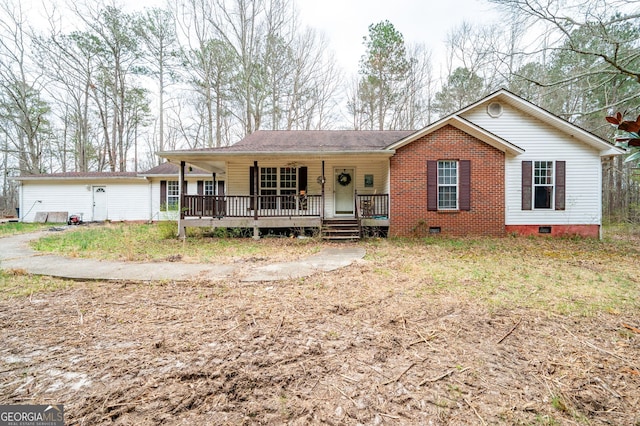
[{"x": 340, "y": 348}]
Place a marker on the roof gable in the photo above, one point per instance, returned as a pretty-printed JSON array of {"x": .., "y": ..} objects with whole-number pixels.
[
  {"x": 467, "y": 127},
  {"x": 604, "y": 147},
  {"x": 459, "y": 121}
]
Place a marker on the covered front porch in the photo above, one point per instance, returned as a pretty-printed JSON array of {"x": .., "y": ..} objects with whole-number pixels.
[
  {"x": 311, "y": 208},
  {"x": 291, "y": 179}
]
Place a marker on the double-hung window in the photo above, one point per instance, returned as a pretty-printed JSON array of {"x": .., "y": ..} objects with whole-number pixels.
[
  {"x": 447, "y": 185},
  {"x": 288, "y": 185},
  {"x": 268, "y": 186},
  {"x": 173, "y": 194},
  {"x": 543, "y": 184},
  {"x": 208, "y": 187}
]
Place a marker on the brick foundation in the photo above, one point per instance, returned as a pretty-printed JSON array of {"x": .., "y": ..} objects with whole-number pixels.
[
  {"x": 409, "y": 215},
  {"x": 591, "y": 231}
]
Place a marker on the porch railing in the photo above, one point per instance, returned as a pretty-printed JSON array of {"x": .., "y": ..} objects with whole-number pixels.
[
  {"x": 373, "y": 205},
  {"x": 220, "y": 206}
]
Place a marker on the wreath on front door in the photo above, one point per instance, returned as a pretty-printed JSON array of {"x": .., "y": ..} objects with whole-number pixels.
[{"x": 344, "y": 179}]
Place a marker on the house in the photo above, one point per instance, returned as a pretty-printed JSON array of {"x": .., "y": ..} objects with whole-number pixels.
[
  {"x": 108, "y": 196},
  {"x": 501, "y": 165}
]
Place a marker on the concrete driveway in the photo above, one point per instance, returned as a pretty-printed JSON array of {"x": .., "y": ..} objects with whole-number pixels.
[{"x": 15, "y": 253}]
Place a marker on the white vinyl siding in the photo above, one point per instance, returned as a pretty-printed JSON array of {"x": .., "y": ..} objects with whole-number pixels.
[
  {"x": 125, "y": 200},
  {"x": 542, "y": 141}
]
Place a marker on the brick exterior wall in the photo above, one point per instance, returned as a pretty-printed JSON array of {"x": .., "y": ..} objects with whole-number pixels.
[{"x": 408, "y": 169}]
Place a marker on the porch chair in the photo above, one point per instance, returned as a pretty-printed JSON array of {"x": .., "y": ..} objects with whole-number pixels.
[{"x": 367, "y": 206}]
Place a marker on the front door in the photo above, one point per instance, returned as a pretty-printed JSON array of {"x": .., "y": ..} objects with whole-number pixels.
[
  {"x": 99, "y": 203},
  {"x": 343, "y": 181}
]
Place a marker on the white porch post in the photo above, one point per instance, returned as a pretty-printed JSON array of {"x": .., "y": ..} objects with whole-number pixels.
[{"x": 181, "y": 230}]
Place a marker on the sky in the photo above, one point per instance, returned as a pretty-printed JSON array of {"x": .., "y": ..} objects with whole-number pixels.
[{"x": 346, "y": 22}]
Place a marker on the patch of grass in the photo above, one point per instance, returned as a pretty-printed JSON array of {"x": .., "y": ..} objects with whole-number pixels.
[
  {"x": 558, "y": 403},
  {"x": 13, "y": 228},
  {"x": 17, "y": 283},
  {"x": 546, "y": 420},
  {"x": 158, "y": 242},
  {"x": 570, "y": 276}
]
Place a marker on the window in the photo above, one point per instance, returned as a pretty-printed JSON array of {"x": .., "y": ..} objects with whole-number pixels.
[
  {"x": 542, "y": 184},
  {"x": 173, "y": 194},
  {"x": 277, "y": 186},
  {"x": 208, "y": 187},
  {"x": 288, "y": 186},
  {"x": 447, "y": 185},
  {"x": 268, "y": 186}
]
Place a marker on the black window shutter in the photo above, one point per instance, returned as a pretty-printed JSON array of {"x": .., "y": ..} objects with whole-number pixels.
[
  {"x": 465, "y": 185},
  {"x": 302, "y": 179},
  {"x": 432, "y": 185},
  {"x": 163, "y": 195},
  {"x": 527, "y": 184},
  {"x": 561, "y": 167},
  {"x": 200, "y": 187}
]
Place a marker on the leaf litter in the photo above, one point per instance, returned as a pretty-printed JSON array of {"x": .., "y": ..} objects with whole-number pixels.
[{"x": 345, "y": 348}]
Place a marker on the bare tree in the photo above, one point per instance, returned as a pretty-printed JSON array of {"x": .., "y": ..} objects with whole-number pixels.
[
  {"x": 25, "y": 123},
  {"x": 253, "y": 66},
  {"x": 117, "y": 53},
  {"x": 568, "y": 25},
  {"x": 69, "y": 61},
  {"x": 200, "y": 53},
  {"x": 415, "y": 107},
  {"x": 483, "y": 51},
  {"x": 156, "y": 28},
  {"x": 237, "y": 23}
]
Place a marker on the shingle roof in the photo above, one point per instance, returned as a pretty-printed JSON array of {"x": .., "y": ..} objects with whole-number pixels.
[
  {"x": 320, "y": 140},
  {"x": 81, "y": 175},
  {"x": 312, "y": 141},
  {"x": 172, "y": 169}
]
